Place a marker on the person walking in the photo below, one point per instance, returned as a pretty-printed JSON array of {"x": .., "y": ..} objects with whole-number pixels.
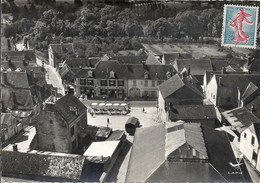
[
  {"x": 143, "y": 110},
  {"x": 107, "y": 122}
]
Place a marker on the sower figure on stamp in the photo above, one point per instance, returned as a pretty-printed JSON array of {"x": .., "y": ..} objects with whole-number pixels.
[{"x": 237, "y": 23}]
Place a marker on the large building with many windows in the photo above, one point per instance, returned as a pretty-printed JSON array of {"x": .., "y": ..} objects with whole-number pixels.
[{"x": 110, "y": 79}]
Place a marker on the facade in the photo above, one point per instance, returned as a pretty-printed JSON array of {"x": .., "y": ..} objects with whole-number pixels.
[
  {"x": 227, "y": 89},
  {"x": 58, "y": 53},
  {"x": 110, "y": 79},
  {"x": 59, "y": 124},
  {"x": 178, "y": 90}
]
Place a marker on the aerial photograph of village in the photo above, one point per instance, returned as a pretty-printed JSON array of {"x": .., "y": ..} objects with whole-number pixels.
[{"x": 130, "y": 91}]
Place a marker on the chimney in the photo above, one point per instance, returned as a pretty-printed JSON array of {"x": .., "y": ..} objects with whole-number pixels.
[
  {"x": 24, "y": 62},
  {"x": 219, "y": 81},
  {"x": 143, "y": 64},
  {"x": 188, "y": 70},
  {"x": 252, "y": 108},
  {"x": 15, "y": 148},
  {"x": 10, "y": 63},
  {"x": 223, "y": 70},
  {"x": 32, "y": 76},
  {"x": 6, "y": 57}
]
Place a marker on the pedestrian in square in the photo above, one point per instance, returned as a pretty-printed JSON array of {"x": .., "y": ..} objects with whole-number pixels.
[
  {"x": 107, "y": 122},
  {"x": 143, "y": 110}
]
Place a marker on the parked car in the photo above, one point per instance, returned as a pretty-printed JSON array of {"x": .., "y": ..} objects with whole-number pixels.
[{"x": 131, "y": 125}]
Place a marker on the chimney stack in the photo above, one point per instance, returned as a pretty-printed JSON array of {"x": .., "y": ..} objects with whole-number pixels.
[
  {"x": 15, "y": 148},
  {"x": 32, "y": 76},
  {"x": 188, "y": 70},
  {"x": 219, "y": 81},
  {"x": 223, "y": 70},
  {"x": 252, "y": 108},
  {"x": 9, "y": 63},
  {"x": 6, "y": 57}
]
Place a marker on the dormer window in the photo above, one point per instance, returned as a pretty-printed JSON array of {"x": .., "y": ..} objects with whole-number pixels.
[
  {"x": 90, "y": 74},
  {"x": 74, "y": 109},
  {"x": 146, "y": 75},
  {"x": 169, "y": 75},
  {"x": 18, "y": 69},
  {"x": 112, "y": 74}
]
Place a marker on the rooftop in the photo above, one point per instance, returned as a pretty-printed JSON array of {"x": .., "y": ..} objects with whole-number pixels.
[
  {"x": 104, "y": 149},
  {"x": 197, "y": 66},
  {"x": 15, "y": 79},
  {"x": 173, "y": 84},
  {"x": 169, "y": 58},
  {"x": 189, "y": 112}
]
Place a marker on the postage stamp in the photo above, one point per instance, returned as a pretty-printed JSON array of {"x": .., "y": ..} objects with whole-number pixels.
[{"x": 240, "y": 26}]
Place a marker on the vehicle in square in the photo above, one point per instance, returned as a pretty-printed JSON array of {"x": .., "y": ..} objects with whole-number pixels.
[{"x": 131, "y": 125}]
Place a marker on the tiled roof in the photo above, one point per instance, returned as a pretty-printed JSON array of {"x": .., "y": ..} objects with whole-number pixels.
[
  {"x": 81, "y": 62},
  {"x": 18, "y": 56},
  {"x": 8, "y": 119},
  {"x": 185, "y": 136},
  {"x": 171, "y": 171},
  {"x": 15, "y": 79},
  {"x": 238, "y": 80},
  {"x": 250, "y": 90},
  {"x": 63, "y": 105},
  {"x": 151, "y": 60},
  {"x": 103, "y": 132},
  {"x": 170, "y": 57},
  {"x": 127, "y": 71},
  {"x": 62, "y": 48},
  {"x": 67, "y": 73},
  {"x": 197, "y": 67},
  {"x": 175, "y": 83},
  {"x": 42, "y": 165},
  {"x": 148, "y": 153},
  {"x": 240, "y": 118},
  {"x": 190, "y": 112},
  {"x": 255, "y": 103},
  {"x": 130, "y": 59},
  {"x": 220, "y": 154}
]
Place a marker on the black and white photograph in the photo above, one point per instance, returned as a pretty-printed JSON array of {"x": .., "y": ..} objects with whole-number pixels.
[{"x": 130, "y": 91}]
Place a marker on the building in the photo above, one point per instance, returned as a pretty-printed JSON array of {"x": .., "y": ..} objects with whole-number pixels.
[
  {"x": 10, "y": 126},
  {"x": 204, "y": 114},
  {"x": 58, "y": 53},
  {"x": 188, "y": 152},
  {"x": 197, "y": 67},
  {"x": 247, "y": 128},
  {"x": 178, "y": 90},
  {"x": 59, "y": 124},
  {"x": 110, "y": 79},
  {"x": 169, "y": 58},
  {"x": 226, "y": 89}
]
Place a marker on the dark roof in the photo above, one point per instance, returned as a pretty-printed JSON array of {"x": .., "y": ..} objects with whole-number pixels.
[
  {"x": 15, "y": 79},
  {"x": 221, "y": 154},
  {"x": 175, "y": 83},
  {"x": 255, "y": 103},
  {"x": 116, "y": 135},
  {"x": 67, "y": 73},
  {"x": 257, "y": 131},
  {"x": 171, "y": 57},
  {"x": 240, "y": 118},
  {"x": 240, "y": 81},
  {"x": 8, "y": 119},
  {"x": 81, "y": 62},
  {"x": 250, "y": 90},
  {"x": 65, "y": 106},
  {"x": 192, "y": 112},
  {"x": 151, "y": 60},
  {"x": 18, "y": 56},
  {"x": 127, "y": 71},
  {"x": 182, "y": 139},
  {"x": 218, "y": 63},
  {"x": 103, "y": 132},
  {"x": 254, "y": 66},
  {"x": 197, "y": 66},
  {"x": 171, "y": 171},
  {"x": 148, "y": 153},
  {"x": 130, "y": 59},
  {"x": 62, "y": 48},
  {"x": 42, "y": 165}
]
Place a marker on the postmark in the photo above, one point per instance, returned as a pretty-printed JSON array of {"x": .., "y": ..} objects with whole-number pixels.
[{"x": 239, "y": 26}]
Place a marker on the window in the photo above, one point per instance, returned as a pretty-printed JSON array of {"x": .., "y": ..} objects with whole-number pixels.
[
  {"x": 146, "y": 75},
  {"x": 103, "y": 82},
  {"x": 82, "y": 90},
  {"x": 146, "y": 83},
  {"x": 112, "y": 74},
  {"x": 120, "y": 92},
  {"x": 253, "y": 140},
  {"x": 120, "y": 83},
  {"x": 254, "y": 157},
  {"x": 82, "y": 81},
  {"x": 103, "y": 91},
  {"x": 90, "y": 82},
  {"x": 112, "y": 83},
  {"x": 72, "y": 131},
  {"x": 90, "y": 74},
  {"x": 228, "y": 99},
  {"x": 213, "y": 96},
  {"x": 153, "y": 83},
  {"x": 51, "y": 122},
  {"x": 134, "y": 82},
  {"x": 245, "y": 135}
]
